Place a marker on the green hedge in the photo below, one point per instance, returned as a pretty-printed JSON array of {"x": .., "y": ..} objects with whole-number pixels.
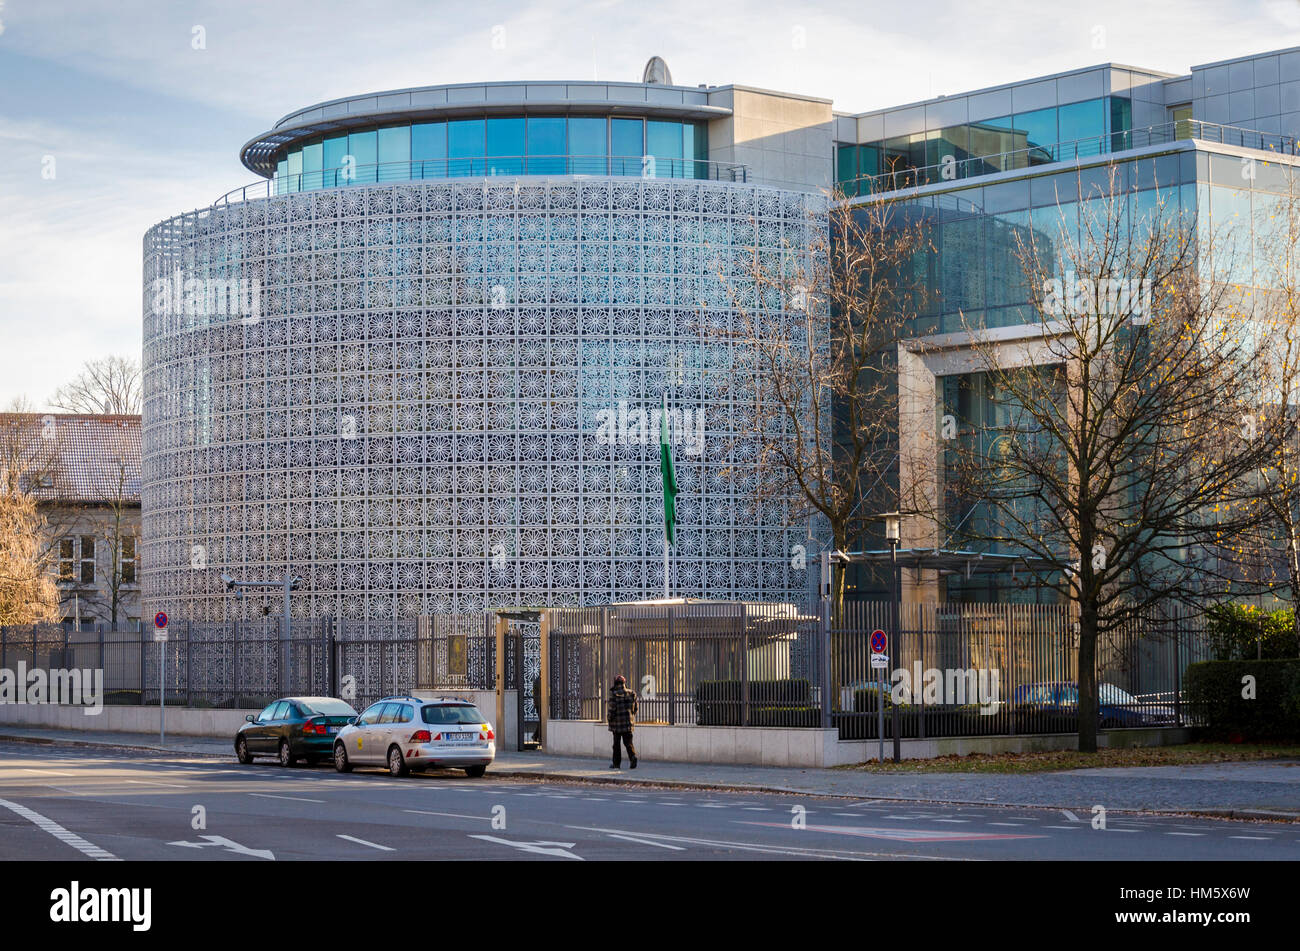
[
  {"x": 1214, "y": 691},
  {"x": 1243, "y": 631},
  {"x": 771, "y": 703}
]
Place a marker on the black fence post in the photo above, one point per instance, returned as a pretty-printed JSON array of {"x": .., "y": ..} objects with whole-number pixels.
[
  {"x": 744, "y": 665},
  {"x": 672, "y": 672},
  {"x": 1178, "y": 673},
  {"x": 234, "y": 653},
  {"x": 101, "y": 649},
  {"x": 142, "y": 663},
  {"x": 824, "y": 662},
  {"x": 189, "y": 666}
]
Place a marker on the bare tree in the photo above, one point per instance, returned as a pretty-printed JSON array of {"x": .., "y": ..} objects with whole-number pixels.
[
  {"x": 28, "y": 594},
  {"x": 1133, "y": 422},
  {"x": 818, "y": 334},
  {"x": 107, "y": 385}
]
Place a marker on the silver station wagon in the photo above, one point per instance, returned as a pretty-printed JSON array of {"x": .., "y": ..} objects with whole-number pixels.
[{"x": 414, "y": 732}]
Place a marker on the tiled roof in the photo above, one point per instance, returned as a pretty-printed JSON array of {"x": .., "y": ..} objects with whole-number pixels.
[{"x": 73, "y": 457}]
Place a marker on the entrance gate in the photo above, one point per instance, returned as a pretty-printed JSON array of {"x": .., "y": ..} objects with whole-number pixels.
[{"x": 521, "y": 638}]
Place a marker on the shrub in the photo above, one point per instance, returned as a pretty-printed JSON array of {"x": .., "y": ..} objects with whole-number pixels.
[
  {"x": 718, "y": 702},
  {"x": 1244, "y": 631},
  {"x": 1214, "y": 690}
]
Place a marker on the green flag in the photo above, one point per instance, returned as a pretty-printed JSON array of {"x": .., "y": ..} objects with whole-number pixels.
[{"x": 669, "y": 477}]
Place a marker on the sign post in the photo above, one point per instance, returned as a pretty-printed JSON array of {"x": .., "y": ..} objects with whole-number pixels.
[
  {"x": 880, "y": 661},
  {"x": 160, "y": 635}
]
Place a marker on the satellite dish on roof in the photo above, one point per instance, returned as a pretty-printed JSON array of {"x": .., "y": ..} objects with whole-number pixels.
[{"x": 656, "y": 71}]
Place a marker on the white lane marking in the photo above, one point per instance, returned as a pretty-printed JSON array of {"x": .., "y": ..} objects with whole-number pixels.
[
  {"x": 710, "y": 805},
  {"x": 230, "y": 845},
  {"x": 1257, "y": 838},
  {"x": 1186, "y": 833},
  {"x": 1112, "y": 829},
  {"x": 1069, "y": 815},
  {"x": 1016, "y": 824},
  {"x": 660, "y": 845},
  {"x": 842, "y": 854},
  {"x": 952, "y": 820},
  {"x": 559, "y": 849},
  {"x": 373, "y": 845},
  {"x": 46, "y": 772},
  {"x": 768, "y": 809},
  {"x": 453, "y": 815},
  {"x": 145, "y": 782},
  {"x": 294, "y": 798},
  {"x": 88, "y": 849},
  {"x": 1060, "y": 827}
]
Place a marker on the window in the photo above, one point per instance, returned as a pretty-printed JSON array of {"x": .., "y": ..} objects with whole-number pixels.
[
  {"x": 1082, "y": 120},
  {"x": 312, "y": 157},
  {"x": 546, "y": 145},
  {"x": 364, "y": 149},
  {"x": 588, "y": 145},
  {"x": 333, "y": 151},
  {"x": 67, "y": 557},
  {"x": 128, "y": 560},
  {"x": 627, "y": 145},
  {"x": 664, "y": 142},
  {"x": 429, "y": 148},
  {"x": 505, "y": 146},
  {"x": 372, "y": 714},
  {"x": 394, "y": 153},
  {"x": 465, "y": 147},
  {"x": 390, "y": 712},
  {"x": 1040, "y": 135},
  {"x": 87, "y": 559},
  {"x": 446, "y": 714},
  {"x": 268, "y": 714},
  {"x": 1182, "y": 119}
]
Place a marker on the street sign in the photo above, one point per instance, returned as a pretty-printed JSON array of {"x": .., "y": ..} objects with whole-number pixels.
[
  {"x": 879, "y": 642},
  {"x": 160, "y": 626},
  {"x": 879, "y": 661}
]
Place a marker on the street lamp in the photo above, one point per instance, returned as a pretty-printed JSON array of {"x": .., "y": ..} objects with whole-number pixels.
[{"x": 893, "y": 533}]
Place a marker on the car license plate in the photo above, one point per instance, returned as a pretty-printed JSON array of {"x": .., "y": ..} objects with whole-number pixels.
[
  {"x": 332, "y": 729},
  {"x": 460, "y": 737}
]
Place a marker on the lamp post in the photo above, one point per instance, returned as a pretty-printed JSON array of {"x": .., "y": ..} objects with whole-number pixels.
[{"x": 893, "y": 525}]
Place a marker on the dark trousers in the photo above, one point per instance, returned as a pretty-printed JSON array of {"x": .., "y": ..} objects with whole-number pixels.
[{"x": 627, "y": 741}]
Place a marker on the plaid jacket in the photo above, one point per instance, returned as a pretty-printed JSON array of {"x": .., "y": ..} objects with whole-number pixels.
[{"x": 622, "y": 710}]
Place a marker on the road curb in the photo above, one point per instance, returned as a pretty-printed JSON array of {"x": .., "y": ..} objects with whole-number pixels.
[
  {"x": 648, "y": 780},
  {"x": 104, "y": 744}
]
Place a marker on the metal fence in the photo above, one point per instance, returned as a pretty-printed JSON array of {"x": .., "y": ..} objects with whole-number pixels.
[
  {"x": 710, "y": 664},
  {"x": 246, "y": 664},
  {"x": 952, "y": 670},
  {"x": 990, "y": 669}
]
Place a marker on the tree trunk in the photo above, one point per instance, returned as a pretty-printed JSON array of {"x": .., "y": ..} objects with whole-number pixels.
[{"x": 1088, "y": 679}]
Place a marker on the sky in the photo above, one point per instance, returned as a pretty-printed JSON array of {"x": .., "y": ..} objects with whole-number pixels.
[{"x": 117, "y": 115}]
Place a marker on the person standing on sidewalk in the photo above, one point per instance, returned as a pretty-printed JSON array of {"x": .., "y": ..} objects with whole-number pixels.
[{"x": 622, "y": 717}]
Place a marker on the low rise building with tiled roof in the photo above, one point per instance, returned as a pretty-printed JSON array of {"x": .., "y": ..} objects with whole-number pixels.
[{"x": 84, "y": 471}]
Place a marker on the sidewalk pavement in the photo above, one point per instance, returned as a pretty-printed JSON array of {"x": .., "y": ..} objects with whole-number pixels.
[{"x": 1255, "y": 790}]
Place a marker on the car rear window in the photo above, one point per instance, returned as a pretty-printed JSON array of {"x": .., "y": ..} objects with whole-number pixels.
[
  {"x": 447, "y": 713},
  {"x": 329, "y": 708}
]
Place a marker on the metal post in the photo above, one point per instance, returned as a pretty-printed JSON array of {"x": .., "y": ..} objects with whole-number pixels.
[
  {"x": 672, "y": 672},
  {"x": 189, "y": 666},
  {"x": 234, "y": 653},
  {"x": 162, "y": 694},
  {"x": 744, "y": 665},
  {"x": 897, "y": 649},
  {"x": 142, "y": 663},
  {"x": 824, "y": 660},
  {"x": 1178, "y": 675}
]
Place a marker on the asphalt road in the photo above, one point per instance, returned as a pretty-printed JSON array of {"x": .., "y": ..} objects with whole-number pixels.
[{"x": 67, "y": 804}]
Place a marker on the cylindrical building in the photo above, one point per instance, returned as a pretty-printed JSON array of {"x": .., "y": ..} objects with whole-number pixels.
[{"x": 422, "y": 364}]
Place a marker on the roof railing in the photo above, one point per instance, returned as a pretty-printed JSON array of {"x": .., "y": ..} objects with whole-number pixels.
[
  {"x": 957, "y": 169},
  {"x": 629, "y": 166}
]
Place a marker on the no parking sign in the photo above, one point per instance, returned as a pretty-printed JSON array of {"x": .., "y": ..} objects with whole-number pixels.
[{"x": 160, "y": 626}]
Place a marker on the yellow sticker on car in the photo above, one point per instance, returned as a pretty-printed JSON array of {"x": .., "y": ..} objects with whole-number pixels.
[{"x": 358, "y": 742}]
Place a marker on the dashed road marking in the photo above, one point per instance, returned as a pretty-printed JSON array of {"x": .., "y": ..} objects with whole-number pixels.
[
  {"x": 660, "y": 845},
  {"x": 86, "y": 848},
  {"x": 294, "y": 798},
  {"x": 452, "y": 815},
  {"x": 373, "y": 845}
]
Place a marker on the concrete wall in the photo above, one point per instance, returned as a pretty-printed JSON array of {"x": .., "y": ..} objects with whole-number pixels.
[
  {"x": 809, "y": 748},
  {"x": 786, "y": 140},
  {"x": 185, "y": 721}
]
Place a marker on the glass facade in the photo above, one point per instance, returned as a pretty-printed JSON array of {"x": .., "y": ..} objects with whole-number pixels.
[
  {"x": 1023, "y": 140},
  {"x": 506, "y": 145}
]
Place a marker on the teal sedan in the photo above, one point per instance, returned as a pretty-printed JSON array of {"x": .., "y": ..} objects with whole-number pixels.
[{"x": 293, "y": 728}]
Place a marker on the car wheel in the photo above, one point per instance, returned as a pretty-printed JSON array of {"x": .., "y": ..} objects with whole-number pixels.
[
  {"x": 241, "y": 751},
  {"x": 286, "y": 755},
  {"x": 341, "y": 759},
  {"x": 396, "y": 762},
  {"x": 474, "y": 772}
]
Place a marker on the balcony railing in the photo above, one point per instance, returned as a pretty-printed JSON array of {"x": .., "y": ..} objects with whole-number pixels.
[
  {"x": 631, "y": 166},
  {"x": 957, "y": 169}
]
